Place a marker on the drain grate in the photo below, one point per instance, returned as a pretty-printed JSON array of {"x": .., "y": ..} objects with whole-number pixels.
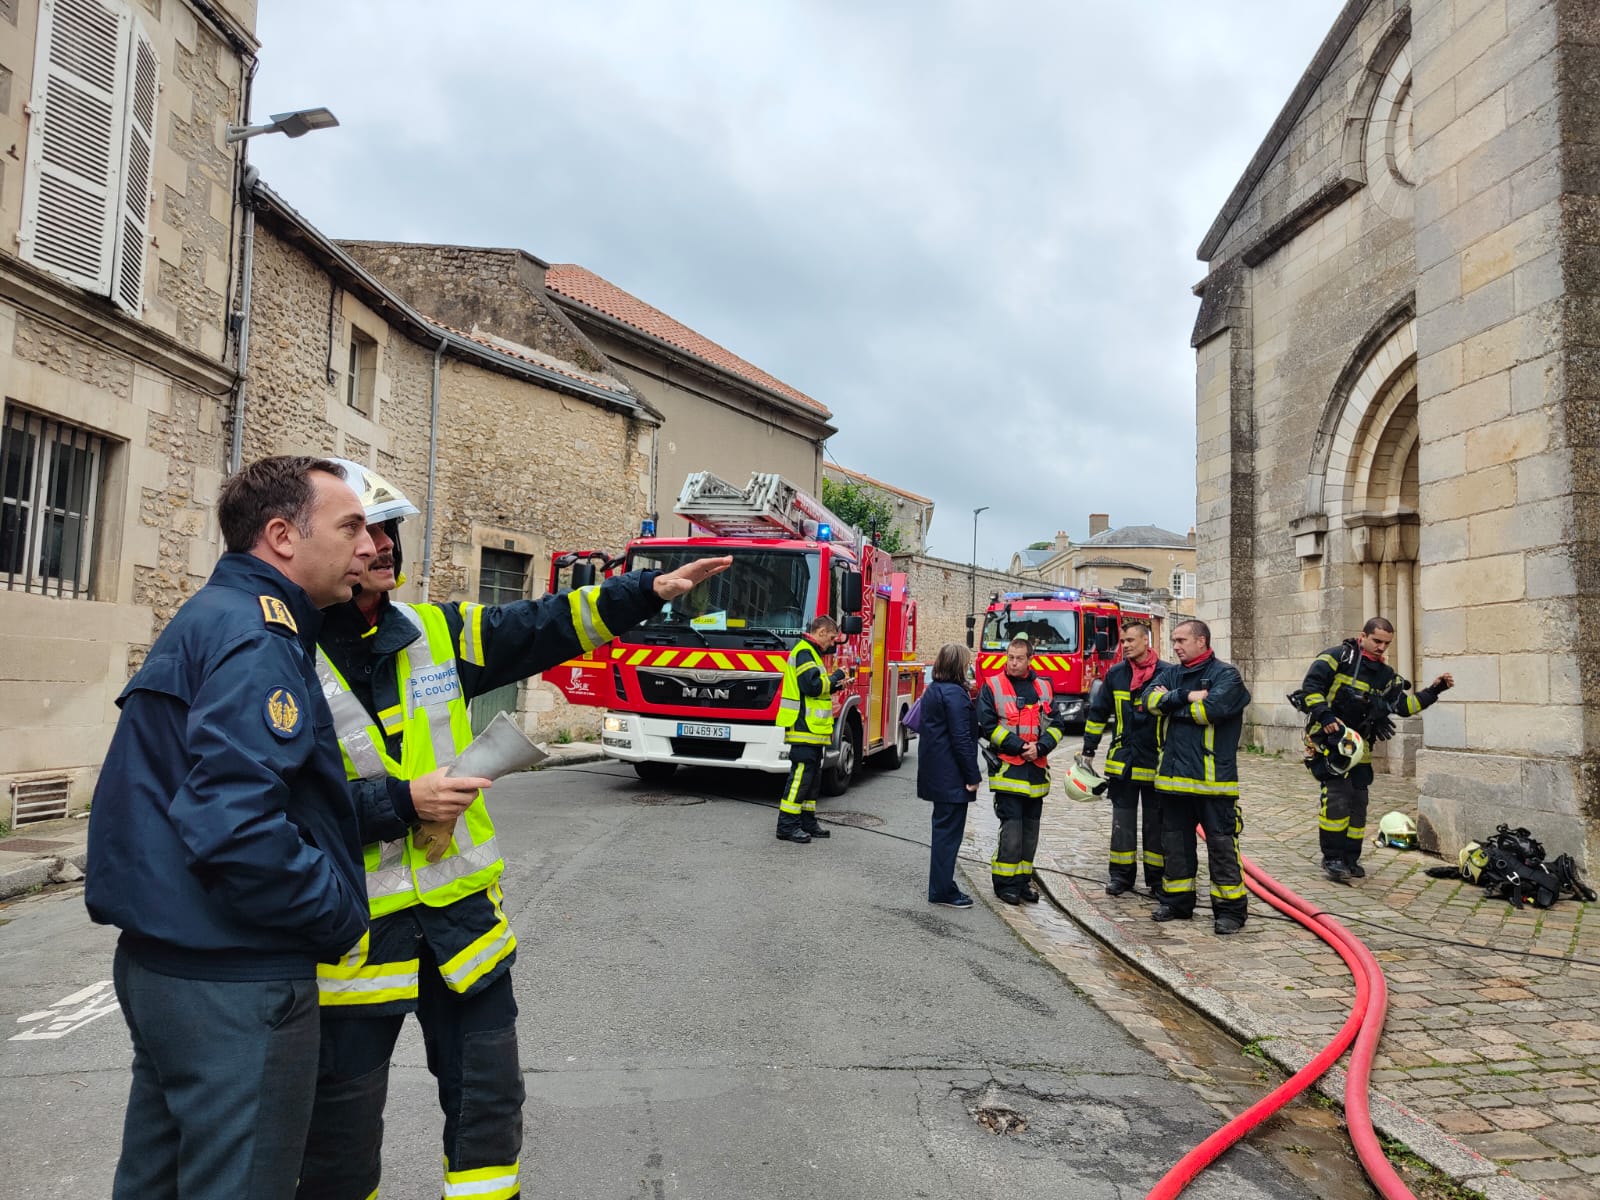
[
  {"x": 666, "y": 799},
  {"x": 17, "y": 845},
  {"x": 858, "y": 819},
  {"x": 39, "y": 799}
]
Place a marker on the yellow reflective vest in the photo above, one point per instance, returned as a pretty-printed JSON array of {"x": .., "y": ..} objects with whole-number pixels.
[
  {"x": 806, "y": 719},
  {"x": 436, "y": 727}
]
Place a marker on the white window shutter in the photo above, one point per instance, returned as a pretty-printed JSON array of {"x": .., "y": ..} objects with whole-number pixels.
[
  {"x": 132, "y": 238},
  {"x": 75, "y": 148}
]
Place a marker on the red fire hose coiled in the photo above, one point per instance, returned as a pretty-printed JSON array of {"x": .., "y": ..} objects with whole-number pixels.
[{"x": 1364, "y": 1026}]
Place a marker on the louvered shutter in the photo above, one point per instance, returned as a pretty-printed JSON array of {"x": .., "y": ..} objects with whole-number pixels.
[
  {"x": 133, "y": 213},
  {"x": 75, "y": 140}
]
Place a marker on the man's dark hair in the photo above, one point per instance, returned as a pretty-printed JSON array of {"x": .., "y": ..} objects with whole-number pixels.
[
  {"x": 1139, "y": 624},
  {"x": 951, "y": 665},
  {"x": 1201, "y": 629},
  {"x": 818, "y": 624},
  {"x": 1376, "y": 624},
  {"x": 268, "y": 488}
]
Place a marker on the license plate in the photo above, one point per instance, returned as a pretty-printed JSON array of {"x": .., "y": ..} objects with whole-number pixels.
[{"x": 688, "y": 729}]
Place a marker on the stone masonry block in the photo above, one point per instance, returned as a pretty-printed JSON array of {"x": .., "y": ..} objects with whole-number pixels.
[
  {"x": 1490, "y": 580},
  {"x": 1442, "y": 459},
  {"x": 1551, "y": 573},
  {"x": 1534, "y": 625},
  {"x": 1477, "y": 676},
  {"x": 1535, "y": 384},
  {"x": 1467, "y": 494},
  {"x": 1467, "y": 407},
  {"x": 1444, "y": 631},
  {"x": 1475, "y": 217},
  {"x": 1505, "y": 441},
  {"x": 1544, "y": 476},
  {"x": 1446, "y": 725},
  {"x": 1525, "y": 679},
  {"x": 1525, "y": 728},
  {"x": 1444, "y": 541}
]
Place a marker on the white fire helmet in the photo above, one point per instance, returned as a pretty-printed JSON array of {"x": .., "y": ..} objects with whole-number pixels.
[{"x": 382, "y": 500}]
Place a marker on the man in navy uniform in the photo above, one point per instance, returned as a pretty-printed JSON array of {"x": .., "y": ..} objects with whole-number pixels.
[{"x": 224, "y": 844}]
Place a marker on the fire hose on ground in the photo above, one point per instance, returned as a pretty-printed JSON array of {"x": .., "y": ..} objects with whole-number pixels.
[{"x": 1364, "y": 1027}]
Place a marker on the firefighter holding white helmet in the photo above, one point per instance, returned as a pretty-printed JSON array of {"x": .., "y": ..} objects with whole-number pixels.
[
  {"x": 398, "y": 678},
  {"x": 1351, "y": 690},
  {"x": 1118, "y": 701}
]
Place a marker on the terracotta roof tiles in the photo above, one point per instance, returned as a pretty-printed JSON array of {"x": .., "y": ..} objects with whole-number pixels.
[{"x": 585, "y": 287}]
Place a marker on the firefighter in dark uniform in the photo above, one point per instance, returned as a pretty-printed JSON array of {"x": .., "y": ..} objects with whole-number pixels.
[
  {"x": 1199, "y": 704},
  {"x": 1351, "y": 684},
  {"x": 398, "y": 678},
  {"x": 805, "y": 714},
  {"x": 224, "y": 844},
  {"x": 1016, "y": 717},
  {"x": 1131, "y": 760}
]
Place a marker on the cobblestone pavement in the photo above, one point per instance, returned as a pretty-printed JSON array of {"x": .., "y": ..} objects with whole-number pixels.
[{"x": 1489, "y": 1067}]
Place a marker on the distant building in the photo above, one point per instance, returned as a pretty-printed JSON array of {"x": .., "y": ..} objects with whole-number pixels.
[
  {"x": 912, "y": 513},
  {"x": 1142, "y": 558}
]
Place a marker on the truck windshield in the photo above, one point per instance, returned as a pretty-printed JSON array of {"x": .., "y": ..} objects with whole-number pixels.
[
  {"x": 765, "y": 592},
  {"x": 1050, "y": 631}
]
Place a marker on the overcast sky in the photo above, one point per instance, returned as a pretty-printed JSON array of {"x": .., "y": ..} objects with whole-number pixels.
[{"x": 968, "y": 227}]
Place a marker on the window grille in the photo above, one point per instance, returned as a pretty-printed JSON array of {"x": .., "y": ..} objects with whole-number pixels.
[
  {"x": 49, "y": 491},
  {"x": 502, "y": 577}
]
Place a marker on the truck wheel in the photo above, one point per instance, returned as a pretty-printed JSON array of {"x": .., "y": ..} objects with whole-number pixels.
[
  {"x": 896, "y": 754},
  {"x": 836, "y": 780},
  {"x": 655, "y": 772}
]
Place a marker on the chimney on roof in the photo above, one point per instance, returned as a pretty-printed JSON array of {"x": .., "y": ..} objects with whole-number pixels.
[
  {"x": 1063, "y": 542},
  {"x": 1099, "y": 523},
  {"x": 1191, "y": 535}
]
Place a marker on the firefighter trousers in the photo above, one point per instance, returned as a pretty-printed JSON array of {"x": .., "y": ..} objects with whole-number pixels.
[
  {"x": 1019, "y": 840},
  {"x": 471, "y": 1046},
  {"x": 1128, "y": 798},
  {"x": 1342, "y": 823},
  {"x": 1222, "y": 821},
  {"x": 798, "y": 807}
]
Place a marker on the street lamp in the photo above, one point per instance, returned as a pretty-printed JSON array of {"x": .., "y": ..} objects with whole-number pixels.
[
  {"x": 294, "y": 124},
  {"x": 972, "y": 606}
]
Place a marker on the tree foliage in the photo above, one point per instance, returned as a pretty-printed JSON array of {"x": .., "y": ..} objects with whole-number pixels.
[
  {"x": 866, "y": 510},
  {"x": 1041, "y": 545}
]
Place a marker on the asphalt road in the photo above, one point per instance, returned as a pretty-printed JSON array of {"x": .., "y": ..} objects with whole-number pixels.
[{"x": 706, "y": 1012}]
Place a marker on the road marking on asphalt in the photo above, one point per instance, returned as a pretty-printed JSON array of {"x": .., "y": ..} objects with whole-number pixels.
[{"x": 69, "y": 1013}]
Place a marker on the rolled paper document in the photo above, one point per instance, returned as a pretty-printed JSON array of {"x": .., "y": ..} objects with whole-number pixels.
[{"x": 499, "y": 750}]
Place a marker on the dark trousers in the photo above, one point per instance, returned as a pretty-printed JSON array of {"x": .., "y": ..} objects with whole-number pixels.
[
  {"x": 472, "y": 1051},
  {"x": 1127, "y": 799},
  {"x": 223, "y": 1076},
  {"x": 1019, "y": 839},
  {"x": 949, "y": 822},
  {"x": 1219, "y": 816},
  {"x": 797, "y": 809},
  {"x": 1342, "y": 823}
]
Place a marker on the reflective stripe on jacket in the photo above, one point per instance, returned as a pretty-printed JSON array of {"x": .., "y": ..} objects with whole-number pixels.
[
  {"x": 1199, "y": 740},
  {"x": 1133, "y": 753},
  {"x": 805, "y": 709}
]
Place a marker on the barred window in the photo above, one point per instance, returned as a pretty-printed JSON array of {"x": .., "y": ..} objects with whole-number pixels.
[
  {"x": 1177, "y": 582},
  {"x": 502, "y": 577},
  {"x": 49, "y": 489}
]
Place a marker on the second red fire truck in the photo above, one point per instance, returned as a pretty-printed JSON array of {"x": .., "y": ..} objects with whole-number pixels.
[{"x": 697, "y": 684}]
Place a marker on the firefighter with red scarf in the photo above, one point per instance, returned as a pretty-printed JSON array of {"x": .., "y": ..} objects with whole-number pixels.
[
  {"x": 1199, "y": 706},
  {"x": 1130, "y": 769},
  {"x": 1016, "y": 717}
]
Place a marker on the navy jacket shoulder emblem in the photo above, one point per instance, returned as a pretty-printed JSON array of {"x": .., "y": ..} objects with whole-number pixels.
[
  {"x": 275, "y": 612},
  {"x": 283, "y": 710}
]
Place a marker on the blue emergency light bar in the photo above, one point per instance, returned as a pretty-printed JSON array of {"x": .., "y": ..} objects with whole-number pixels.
[
  {"x": 647, "y": 527},
  {"x": 1063, "y": 594},
  {"x": 824, "y": 532}
]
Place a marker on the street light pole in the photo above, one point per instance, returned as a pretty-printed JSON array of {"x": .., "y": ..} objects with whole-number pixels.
[{"x": 972, "y": 606}]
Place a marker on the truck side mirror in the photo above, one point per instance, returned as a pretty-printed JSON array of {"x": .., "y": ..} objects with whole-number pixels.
[
  {"x": 971, "y": 624},
  {"x": 850, "y": 624},
  {"x": 582, "y": 574},
  {"x": 850, "y": 597}
]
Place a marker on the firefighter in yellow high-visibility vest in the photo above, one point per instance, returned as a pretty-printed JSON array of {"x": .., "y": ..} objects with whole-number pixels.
[
  {"x": 397, "y": 678},
  {"x": 805, "y": 714}
]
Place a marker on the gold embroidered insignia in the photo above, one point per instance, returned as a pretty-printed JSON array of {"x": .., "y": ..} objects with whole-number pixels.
[
  {"x": 283, "y": 712},
  {"x": 276, "y": 612}
]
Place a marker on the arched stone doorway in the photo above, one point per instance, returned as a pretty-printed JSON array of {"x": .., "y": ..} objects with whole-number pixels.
[{"x": 1364, "y": 481}]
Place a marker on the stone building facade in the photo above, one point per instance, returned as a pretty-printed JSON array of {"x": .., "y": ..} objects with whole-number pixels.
[
  {"x": 719, "y": 412},
  {"x": 118, "y": 256},
  {"x": 341, "y": 364},
  {"x": 1396, "y": 397}
]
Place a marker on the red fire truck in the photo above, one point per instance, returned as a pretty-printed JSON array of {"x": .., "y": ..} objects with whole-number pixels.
[
  {"x": 1074, "y": 634},
  {"x": 697, "y": 684}
]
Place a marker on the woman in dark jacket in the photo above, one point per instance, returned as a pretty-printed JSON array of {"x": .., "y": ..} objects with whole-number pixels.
[{"x": 947, "y": 768}]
